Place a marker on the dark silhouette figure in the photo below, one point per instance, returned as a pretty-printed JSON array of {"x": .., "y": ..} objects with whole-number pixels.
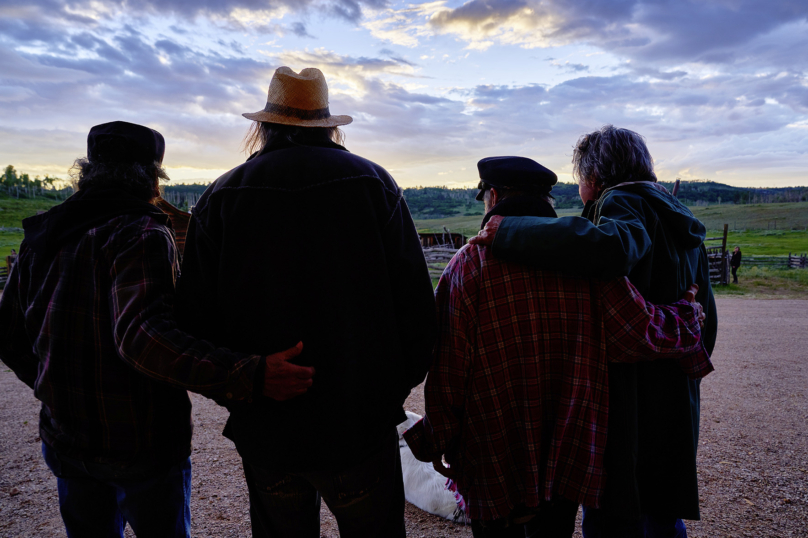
[{"x": 734, "y": 263}]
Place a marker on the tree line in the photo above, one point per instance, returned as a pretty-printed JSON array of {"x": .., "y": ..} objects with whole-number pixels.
[
  {"x": 438, "y": 202},
  {"x": 17, "y": 185}
]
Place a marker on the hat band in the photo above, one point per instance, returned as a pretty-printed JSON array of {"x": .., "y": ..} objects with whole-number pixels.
[{"x": 300, "y": 113}]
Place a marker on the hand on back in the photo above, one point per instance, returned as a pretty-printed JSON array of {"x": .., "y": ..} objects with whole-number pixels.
[
  {"x": 485, "y": 237},
  {"x": 284, "y": 380},
  {"x": 690, "y": 297}
]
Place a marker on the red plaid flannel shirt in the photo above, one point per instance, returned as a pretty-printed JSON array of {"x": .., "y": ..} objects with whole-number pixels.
[{"x": 517, "y": 396}]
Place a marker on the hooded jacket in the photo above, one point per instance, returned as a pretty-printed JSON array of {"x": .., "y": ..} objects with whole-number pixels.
[
  {"x": 313, "y": 244},
  {"x": 641, "y": 231}
]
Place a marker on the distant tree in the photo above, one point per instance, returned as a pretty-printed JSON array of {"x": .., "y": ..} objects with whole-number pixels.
[{"x": 9, "y": 178}]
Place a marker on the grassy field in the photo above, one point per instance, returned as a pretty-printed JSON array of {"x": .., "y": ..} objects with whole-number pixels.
[
  {"x": 769, "y": 217},
  {"x": 763, "y": 282},
  {"x": 790, "y": 236},
  {"x": 751, "y": 227},
  {"x": 759, "y": 229},
  {"x": 12, "y": 211}
]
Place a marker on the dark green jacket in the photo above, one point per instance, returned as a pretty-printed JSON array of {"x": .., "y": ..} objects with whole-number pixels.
[{"x": 642, "y": 231}]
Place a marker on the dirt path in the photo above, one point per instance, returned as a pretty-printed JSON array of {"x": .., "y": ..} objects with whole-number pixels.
[{"x": 753, "y": 450}]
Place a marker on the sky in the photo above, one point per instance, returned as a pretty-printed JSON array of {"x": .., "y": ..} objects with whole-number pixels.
[{"x": 719, "y": 89}]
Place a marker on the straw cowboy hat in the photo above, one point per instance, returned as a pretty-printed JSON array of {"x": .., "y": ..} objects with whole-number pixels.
[{"x": 298, "y": 99}]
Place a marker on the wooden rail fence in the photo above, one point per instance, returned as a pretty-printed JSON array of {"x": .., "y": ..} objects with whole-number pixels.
[
  {"x": 792, "y": 261},
  {"x": 717, "y": 258},
  {"x": 437, "y": 258}
]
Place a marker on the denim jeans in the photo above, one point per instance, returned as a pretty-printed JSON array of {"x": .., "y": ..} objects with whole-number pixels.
[
  {"x": 98, "y": 500},
  {"x": 599, "y": 524},
  {"x": 552, "y": 519},
  {"x": 367, "y": 500}
]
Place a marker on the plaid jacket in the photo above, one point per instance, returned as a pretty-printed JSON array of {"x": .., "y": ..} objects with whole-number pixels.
[
  {"x": 517, "y": 396},
  {"x": 91, "y": 330}
]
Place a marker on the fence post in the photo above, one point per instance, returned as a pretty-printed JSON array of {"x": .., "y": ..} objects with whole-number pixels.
[
  {"x": 725, "y": 276},
  {"x": 724, "y": 262}
]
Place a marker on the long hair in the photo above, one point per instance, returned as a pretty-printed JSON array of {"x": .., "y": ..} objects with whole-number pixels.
[
  {"x": 261, "y": 134},
  {"x": 139, "y": 180},
  {"x": 611, "y": 156}
]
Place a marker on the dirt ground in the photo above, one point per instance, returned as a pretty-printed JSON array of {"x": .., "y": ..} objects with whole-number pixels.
[{"x": 753, "y": 451}]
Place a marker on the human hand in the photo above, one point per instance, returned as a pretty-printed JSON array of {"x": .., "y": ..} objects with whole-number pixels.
[
  {"x": 485, "y": 237},
  {"x": 438, "y": 465},
  {"x": 690, "y": 297},
  {"x": 284, "y": 380}
]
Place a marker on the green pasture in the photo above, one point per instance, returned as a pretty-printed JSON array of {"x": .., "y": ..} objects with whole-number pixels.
[
  {"x": 759, "y": 229},
  {"x": 769, "y": 217},
  {"x": 12, "y": 211},
  {"x": 765, "y": 242},
  {"x": 764, "y": 282}
]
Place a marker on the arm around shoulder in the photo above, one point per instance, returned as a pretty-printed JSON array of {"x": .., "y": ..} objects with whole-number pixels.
[{"x": 574, "y": 245}]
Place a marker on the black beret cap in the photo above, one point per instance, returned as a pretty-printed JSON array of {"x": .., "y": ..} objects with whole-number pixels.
[
  {"x": 514, "y": 173},
  {"x": 123, "y": 142}
]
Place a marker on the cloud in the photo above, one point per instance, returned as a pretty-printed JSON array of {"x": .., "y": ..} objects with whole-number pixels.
[
  {"x": 243, "y": 12},
  {"x": 479, "y": 23},
  {"x": 712, "y": 100},
  {"x": 643, "y": 30},
  {"x": 299, "y": 29},
  {"x": 570, "y": 68}
]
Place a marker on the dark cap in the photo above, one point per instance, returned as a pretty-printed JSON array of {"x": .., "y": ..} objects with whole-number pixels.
[
  {"x": 123, "y": 142},
  {"x": 514, "y": 173}
]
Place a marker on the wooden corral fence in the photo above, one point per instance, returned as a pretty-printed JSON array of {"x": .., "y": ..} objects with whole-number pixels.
[
  {"x": 5, "y": 270},
  {"x": 792, "y": 261},
  {"x": 439, "y": 248},
  {"x": 797, "y": 262},
  {"x": 717, "y": 257},
  {"x": 437, "y": 258},
  {"x": 442, "y": 239}
]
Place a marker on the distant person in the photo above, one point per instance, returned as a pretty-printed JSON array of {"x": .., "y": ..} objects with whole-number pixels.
[
  {"x": 86, "y": 320},
  {"x": 735, "y": 263},
  {"x": 633, "y": 226},
  {"x": 517, "y": 396},
  {"x": 307, "y": 241}
]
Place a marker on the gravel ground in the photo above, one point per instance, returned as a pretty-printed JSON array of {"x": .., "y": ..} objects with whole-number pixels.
[{"x": 753, "y": 454}]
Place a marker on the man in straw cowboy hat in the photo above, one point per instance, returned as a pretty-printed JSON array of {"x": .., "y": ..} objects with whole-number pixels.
[{"x": 307, "y": 242}]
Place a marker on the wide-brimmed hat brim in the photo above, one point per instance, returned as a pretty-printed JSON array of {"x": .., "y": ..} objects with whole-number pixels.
[{"x": 269, "y": 117}]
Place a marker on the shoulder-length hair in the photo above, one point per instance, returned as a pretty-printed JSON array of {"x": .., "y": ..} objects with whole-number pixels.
[
  {"x": 263, "y": 133},
  {"x": 611, "y": 156},
  {"x": 139, "y": 180}
]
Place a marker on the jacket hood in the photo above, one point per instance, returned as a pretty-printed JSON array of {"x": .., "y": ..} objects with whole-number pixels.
[
  {"x": 687, "y": 230},
  {"x": 87, "y": 209}
]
